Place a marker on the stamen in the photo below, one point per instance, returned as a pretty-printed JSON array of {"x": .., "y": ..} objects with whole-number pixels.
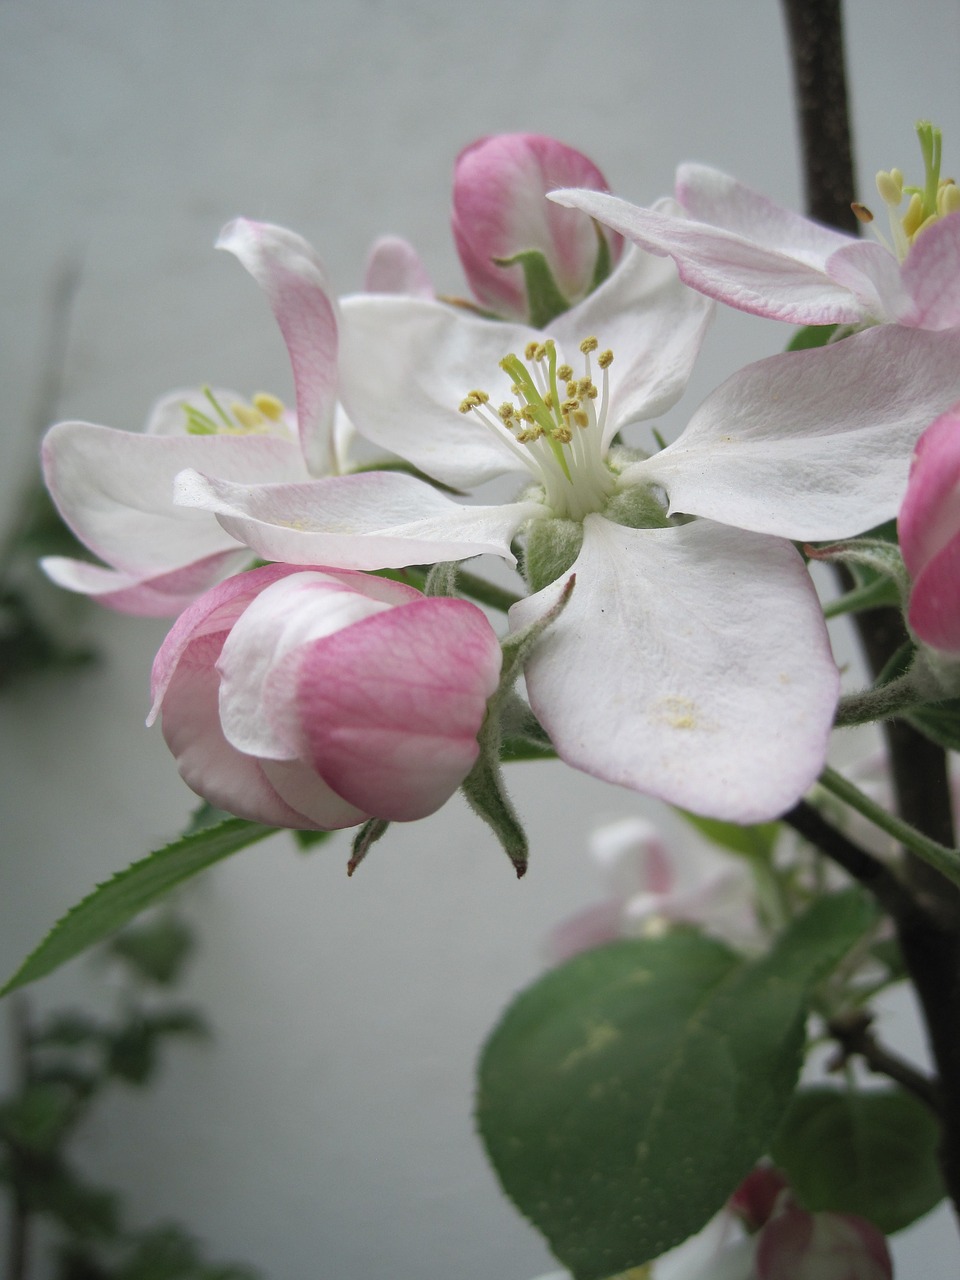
[
  {"x": 588, "y": 345},
  {"x": 249, "y": 418},
  {"x": 861, "y": 212},
  {"x": 268, "y": 405}
]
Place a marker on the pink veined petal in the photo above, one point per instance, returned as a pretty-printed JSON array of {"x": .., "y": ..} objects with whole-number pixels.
[
  {"x": 208, "y": 764},
  {"x": 691, "y": 663},
  {"x": 930, "y": 515},
  {"x": 371, "y": 520},
  {"x": 873, "y": 274},
  {"x": 213, "y": 613},
  {"x": 394, "y": 266},
  {"x": 499, "y": 210},
  {"x": 391, "y": 706},
  {"x": 732, "y": 268},
  {"x": 297, "y": 784},
  {"x": 812, "y": 444},
  {"x": 934, "y": 613},
  {"x": 157, "y": 596},
  {"x": 293, "y": 611},
  {"x": 931, "y": 275},
  {"x": 115, "y": 490},
  {"x": 293, "y": 278}
]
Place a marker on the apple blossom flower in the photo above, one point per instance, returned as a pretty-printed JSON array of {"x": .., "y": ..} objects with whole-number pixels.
[
  {"x": 115, "y": 488},
  {"x": 741, "y": 248},
  {"x": 691, "y": 661},
  {"x": 929, "y": 529},
  {"x": 501, "y": 217},
  {"x": 314, "y": 699},
  {"x": 653, "y": 884}
]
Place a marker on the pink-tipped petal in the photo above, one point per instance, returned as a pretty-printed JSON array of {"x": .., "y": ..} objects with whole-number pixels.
[
  {"x": 766, "y": 280},
  {"x": 392, "y": 706},
  {"x": 394, "y": 266},
  {"x": 930, "y": 515},
  {"x": 668, "y": 671},
  {"x": 372, "y": 520},
  {"x": 934, "y": 613},
  {"x": 293, "y": 278},
  {"x": 499, "y": 210},
  {"x": 161, "y": 595}
]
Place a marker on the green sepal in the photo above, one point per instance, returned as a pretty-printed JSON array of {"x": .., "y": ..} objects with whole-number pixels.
[
  {"x": 812, "y": 335},
  {"x": 368, "y": 835},
  {"x": 114, "y": 903},
  {"x": 870, "y": 1152},
  {"x": 625, "y": 1094},
  {"x": 544, "y": 300},
  {"x": 603, "y": 264},
  {"x": 550, "y": 549}
]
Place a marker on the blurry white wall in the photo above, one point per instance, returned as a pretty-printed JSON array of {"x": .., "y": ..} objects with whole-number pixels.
[{"x": 328, "y": 1132}]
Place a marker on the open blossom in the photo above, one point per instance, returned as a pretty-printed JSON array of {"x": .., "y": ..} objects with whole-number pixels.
[
  {"x": 654, "y": 883},
  {"x": 691, "y": 660},
  {"x": 741, "y": 248},
  {"x": 500, "y": 214},
  {"x": 115, "y": 488},
  {"x": 929, "y": 529},
  {"x": 318, "y": 700}
]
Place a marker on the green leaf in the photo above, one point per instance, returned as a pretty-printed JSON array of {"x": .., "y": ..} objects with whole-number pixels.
[
  {"x": 156, "y": 951},
  {"x": 751, "y": 842},
  {"x": 115, "y": 903},
  {"x": 310, "y": 839},
  {"x": 872, "y": 1153},
  {"x": 812, "y": 335},
  {"x": 938, "y": 721},
  {"x": 625, "y": 1094},
  {"x": 38, "y": 1118}
]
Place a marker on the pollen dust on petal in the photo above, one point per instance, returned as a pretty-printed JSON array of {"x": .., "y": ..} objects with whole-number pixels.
[{"x": 678, "y": 713}]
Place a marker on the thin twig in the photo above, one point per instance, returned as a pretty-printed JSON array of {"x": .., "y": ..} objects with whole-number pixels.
[
  {"x": 853, "y": 1033},
  {"x": 866, "y": 869}
]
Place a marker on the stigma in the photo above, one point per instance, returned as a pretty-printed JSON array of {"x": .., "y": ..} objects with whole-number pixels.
[{"x": 555, "y": 424}]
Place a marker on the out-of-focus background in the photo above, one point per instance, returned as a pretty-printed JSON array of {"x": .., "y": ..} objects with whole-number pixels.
[{"x": 328, "y": 1132}]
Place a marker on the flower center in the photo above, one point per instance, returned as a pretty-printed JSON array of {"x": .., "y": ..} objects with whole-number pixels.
[
  {"x": 926, "y": 205},
  {"x": 264, "y": 415},
  {"x": 555, "y": 425}
]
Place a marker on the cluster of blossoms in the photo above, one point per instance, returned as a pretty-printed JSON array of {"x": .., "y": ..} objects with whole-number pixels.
[{"x": 690, "y": 660}]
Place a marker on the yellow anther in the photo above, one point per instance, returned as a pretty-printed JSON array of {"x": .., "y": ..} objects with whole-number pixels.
[
  {"x": 568, "y": 406},
  {"x": 466, "y": 405},
  {"x": 249, "y": 418},
  {"x": 913, "y": 218},
  {"x": 563, "y": 435},
  {"x": 588, "y": 345},
  {"x": 506, "y": 411},
  {"x": 605, "y": 359},
  {"x": 514, "y": 389},
  {"x": 583, "y": 386},
  {"x": 268, "y": 405},
  {"x": 481, "y": 397},
  {"x": 581, "y": 419},
  {"x": 540, "y": 352},
  {"x": 948, "y": 198},
  {"x": 548, "y": 399},
  {"x": 861, "y": 212},
  {"x": 592, "y": 392},
  {"x": 530, "y": 350},
  {"x": 564, "y": 373},
  {"x": 526, "y": 413},
  {"x": 890, "y": 186}
]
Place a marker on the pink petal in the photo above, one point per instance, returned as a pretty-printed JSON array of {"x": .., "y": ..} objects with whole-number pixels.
[
  {"x": 930, "y": 515},
  {"x": 592, "y": 927},
  {"x": 394, "y": 266},
  {"x": 294, "y": 280},
  {"x": 691, "y": 663},
  {"x": 499, "y": 210},
  {"x": 873, "y": 274},
  {"x": 392, "y": 706},
  {"x": 796, "y": 1245},
  {"x": 931, "y": 275},
  {"x": 158, "y": 596},
  {"x": 935, "y": 600},
  {"x": 777, "y": 281}
]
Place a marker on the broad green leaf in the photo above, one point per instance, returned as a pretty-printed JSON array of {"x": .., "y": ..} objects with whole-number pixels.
[
  {"x": 116, "y": 902},
  {"x": 625, "y": 1094},
  {"x": 868, "y": 1152}
]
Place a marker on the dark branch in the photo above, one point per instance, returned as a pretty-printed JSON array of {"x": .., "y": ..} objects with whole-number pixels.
[
  {"x": 853, "y": 1034},
  {"x": 867, "y": 870}
]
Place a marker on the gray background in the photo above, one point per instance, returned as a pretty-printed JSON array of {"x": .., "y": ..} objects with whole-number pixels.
[{"x": 328, "y": 1132}]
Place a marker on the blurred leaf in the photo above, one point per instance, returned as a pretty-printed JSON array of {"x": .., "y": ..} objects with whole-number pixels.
[
  {"x": 37, "y": 1119},
  {"x": 755, "y": 841},
  {"x": 115, "y": 903},
  {"x": 873, "y": 1153},
  {"x": 310, "y": 839},
  {"x": 169, "y": 1253},
  {"x": 939, "y": 721},
  {"x": 624, "y": 1095},
  {"x": 52, "y": 1188},
  {"x": 156, "y": 951},
  {"x": 69, "y": 1030}
]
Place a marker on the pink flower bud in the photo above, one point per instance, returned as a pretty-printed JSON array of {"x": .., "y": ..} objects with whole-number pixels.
[
  {"x": 318, "y": 698},
  {"x": 500, "y": 209},
  {"x": 796, "y": 1245},
  {"x": 929, "y": 528},
  {"x": 754, "y": 1200}
]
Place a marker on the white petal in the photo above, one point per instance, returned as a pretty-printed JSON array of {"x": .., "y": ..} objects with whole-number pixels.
[
  {"x": 691, "y": 663},
  {"x": 812, "y": 444},
  {"x": 372, "y": 520}
]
